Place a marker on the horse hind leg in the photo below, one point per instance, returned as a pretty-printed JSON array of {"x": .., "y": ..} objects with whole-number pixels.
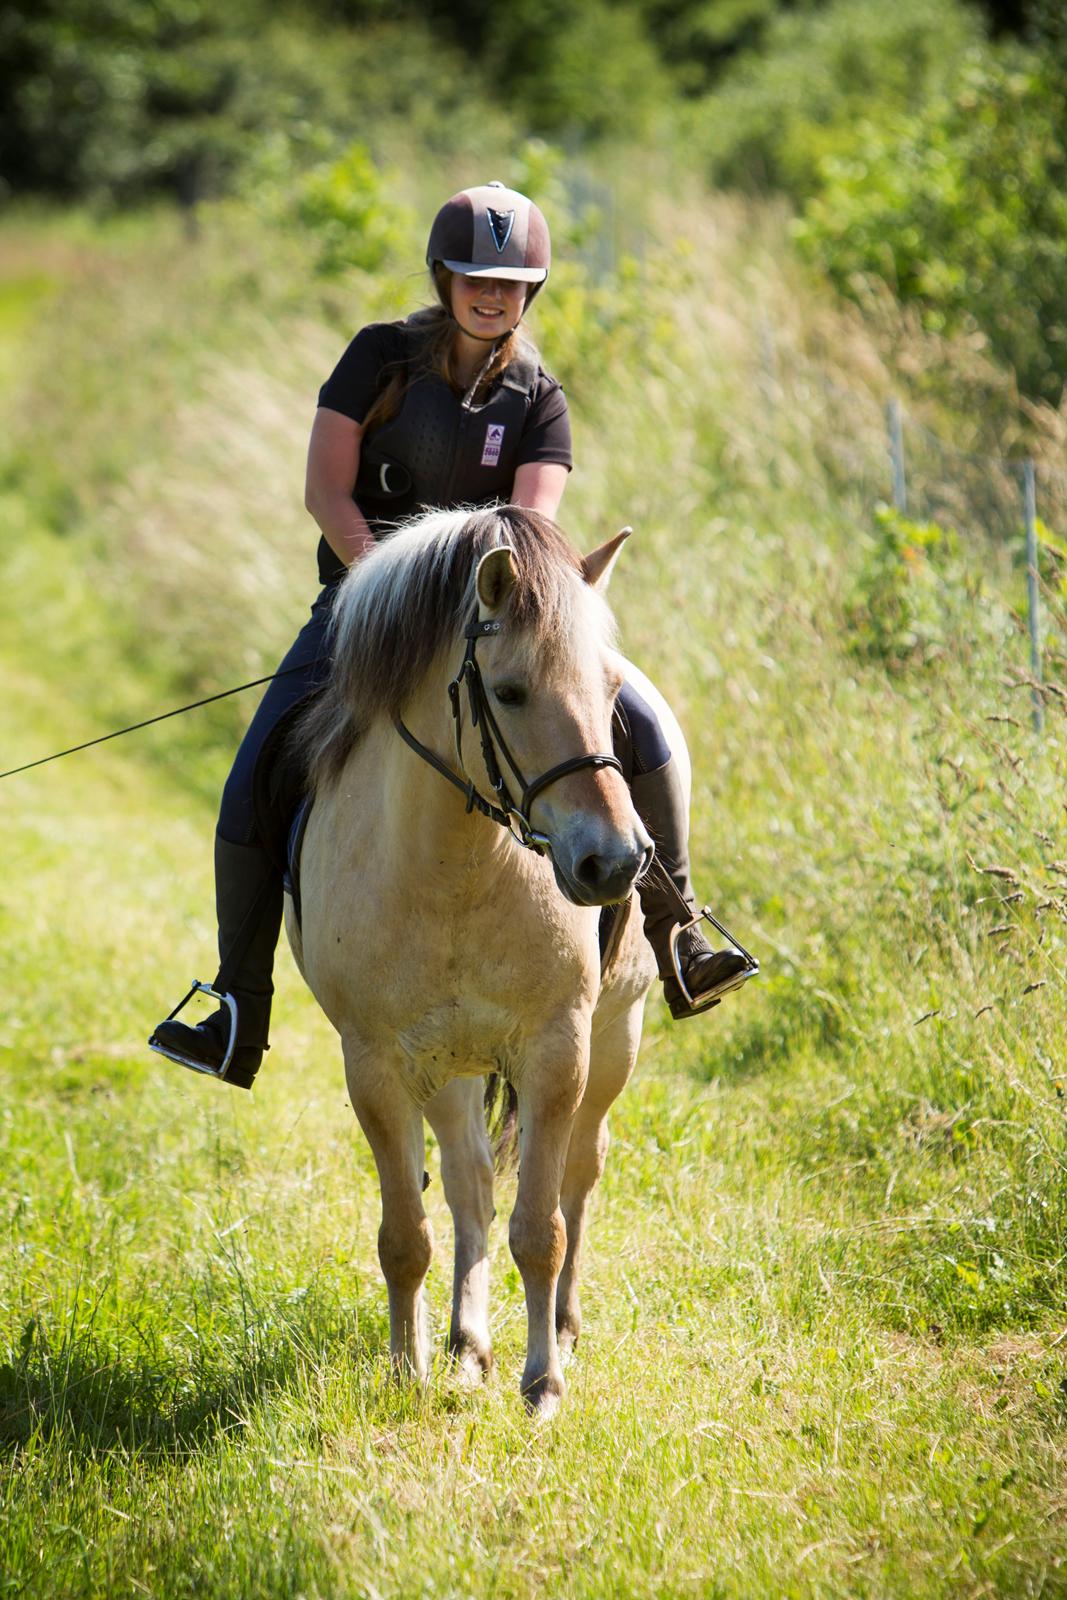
[
  {"x": 455, "y": 1114},
  {"x": 393, "y": 1126},
  {"x": 614, "y": 1052}
]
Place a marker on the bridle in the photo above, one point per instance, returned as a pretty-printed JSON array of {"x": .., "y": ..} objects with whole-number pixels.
[{"x": 515, "y": 818}]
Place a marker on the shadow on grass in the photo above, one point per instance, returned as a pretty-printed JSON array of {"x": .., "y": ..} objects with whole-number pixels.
[{"x": 97, "y": 1402}]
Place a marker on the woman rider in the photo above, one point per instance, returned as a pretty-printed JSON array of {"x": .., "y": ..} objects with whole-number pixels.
[{"x": 447, "y": 408}]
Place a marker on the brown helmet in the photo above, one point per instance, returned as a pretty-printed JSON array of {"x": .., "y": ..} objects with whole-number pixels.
[{"x": 492, "y": 232}]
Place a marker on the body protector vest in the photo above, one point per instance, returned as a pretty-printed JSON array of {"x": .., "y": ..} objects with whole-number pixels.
[{"x": 444, "y": 450}]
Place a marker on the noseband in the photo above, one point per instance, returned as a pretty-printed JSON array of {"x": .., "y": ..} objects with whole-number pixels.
[{"x": 515, "y": 818}]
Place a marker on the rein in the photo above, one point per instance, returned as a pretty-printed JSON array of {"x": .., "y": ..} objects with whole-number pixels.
[{"x": 514, "y": 817}]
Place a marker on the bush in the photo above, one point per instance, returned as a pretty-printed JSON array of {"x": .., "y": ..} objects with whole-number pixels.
[
  {"x": 961, "y": 208},
  {"x": 896, "y": 613},
  {"x": 349, "y": 206},
  {"x": 779, "y": 112}
]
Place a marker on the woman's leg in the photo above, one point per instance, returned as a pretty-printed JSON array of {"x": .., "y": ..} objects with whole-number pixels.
[
  {"x": 667, "y": 895},
  {"x": 248, "y": 882}
]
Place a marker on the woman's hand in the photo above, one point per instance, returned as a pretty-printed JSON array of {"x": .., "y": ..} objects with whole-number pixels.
[
  {"x": 539, "y": 486},
  {"x": 333, "y": 463}
]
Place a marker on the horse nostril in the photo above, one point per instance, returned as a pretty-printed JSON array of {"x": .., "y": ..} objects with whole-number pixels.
[
  {"x": 608, "y": 877},
  {"x": 591, "y": 871}
]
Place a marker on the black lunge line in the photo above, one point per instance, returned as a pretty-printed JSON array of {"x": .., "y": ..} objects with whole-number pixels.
[{"x": 177, "y": 712}]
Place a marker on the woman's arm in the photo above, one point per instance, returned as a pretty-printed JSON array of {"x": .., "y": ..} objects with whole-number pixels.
[
  {"x": 539, "y": 486},
  {"x": 333, "y": 462}
]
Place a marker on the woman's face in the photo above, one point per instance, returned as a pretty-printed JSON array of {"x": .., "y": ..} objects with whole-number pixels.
[{"x": 487, "y": 308}]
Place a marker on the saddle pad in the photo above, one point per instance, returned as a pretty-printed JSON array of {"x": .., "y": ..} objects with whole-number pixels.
[{"x": 291, "y": 879}]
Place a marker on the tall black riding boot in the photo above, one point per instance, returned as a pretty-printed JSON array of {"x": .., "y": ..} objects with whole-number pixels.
[
  {"x": 249, "y": 899},
  {"x": 667, "y": 900}
]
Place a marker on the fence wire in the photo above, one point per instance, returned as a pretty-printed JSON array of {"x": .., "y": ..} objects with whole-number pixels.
[{"x": 1009, "y": 514}]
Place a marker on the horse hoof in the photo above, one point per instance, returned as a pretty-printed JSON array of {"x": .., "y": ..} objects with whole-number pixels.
[
  {"x": 473, "y": 1361},
  {"x": 542, "y": 1397}
]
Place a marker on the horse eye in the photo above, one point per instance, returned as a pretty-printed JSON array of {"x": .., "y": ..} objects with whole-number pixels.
[{"x": 509, "y": 694}]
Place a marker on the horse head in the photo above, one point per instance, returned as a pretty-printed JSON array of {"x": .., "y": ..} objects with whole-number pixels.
[
  {"x": 499, "y": 606},
  {"x": 545, "y": 697}
]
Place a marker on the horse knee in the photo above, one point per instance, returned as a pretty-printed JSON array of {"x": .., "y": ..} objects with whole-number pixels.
[
  {"x": 405, "y": 1252},
  {"x": 538, "y": 1244}
]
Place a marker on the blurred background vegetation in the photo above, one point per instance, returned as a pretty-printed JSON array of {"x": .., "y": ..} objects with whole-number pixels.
[{"x": 921, "y": 144}]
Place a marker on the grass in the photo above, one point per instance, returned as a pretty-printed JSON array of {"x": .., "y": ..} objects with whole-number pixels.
[{"x": 824, "y": 1345}]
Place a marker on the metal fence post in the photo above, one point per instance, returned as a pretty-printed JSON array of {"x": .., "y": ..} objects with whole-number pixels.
[
  {"x": 1033, "y": 599},
  {"x": 894, "y": 418}
]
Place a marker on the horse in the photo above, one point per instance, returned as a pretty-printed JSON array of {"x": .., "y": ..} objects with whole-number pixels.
[{"x": 448, "y": 935}]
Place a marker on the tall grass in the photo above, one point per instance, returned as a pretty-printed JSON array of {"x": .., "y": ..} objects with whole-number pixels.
[{"x": 824, "y": 1298}]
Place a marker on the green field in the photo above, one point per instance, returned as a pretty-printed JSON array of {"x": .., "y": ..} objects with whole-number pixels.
[{"x": 825, "y": 1336}]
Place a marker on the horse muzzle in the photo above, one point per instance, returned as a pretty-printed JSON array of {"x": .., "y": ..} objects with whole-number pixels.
[{"x": 600, "y": 877}]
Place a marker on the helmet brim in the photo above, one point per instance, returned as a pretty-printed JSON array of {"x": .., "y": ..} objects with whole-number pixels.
[{"x": 471, "y": 269}]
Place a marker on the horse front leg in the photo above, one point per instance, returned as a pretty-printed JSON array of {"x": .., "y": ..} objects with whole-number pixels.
[
  {"x": 455, "y": 1114},
  {"x": 614, "y": 1051},
  {"x": 392, "y": 1124},
  {"x": 548, "y": 1098}
]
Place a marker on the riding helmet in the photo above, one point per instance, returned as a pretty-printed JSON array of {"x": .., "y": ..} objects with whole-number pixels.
[{"x": 492, "y": 232}]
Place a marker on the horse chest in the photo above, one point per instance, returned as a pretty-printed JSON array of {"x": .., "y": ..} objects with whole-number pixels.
[{"x": 455, "y": 1040}]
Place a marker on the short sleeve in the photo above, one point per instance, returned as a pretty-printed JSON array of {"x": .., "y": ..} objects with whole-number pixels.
[
  {"x": 547, "y": 434},
  {"x": 353, "y": 385}
]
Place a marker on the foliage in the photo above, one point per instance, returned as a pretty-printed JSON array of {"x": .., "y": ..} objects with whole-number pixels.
[
  {"x": 128, "y": 97},
  {"x": 121, "y": 94},
  {"x": 919, "y": 596},
  {"x": 962, "y": 207},
  {"x": 896, "y": 614},
  {"x": 777, "y": 112},
  {"x": 352, "y": 210}
]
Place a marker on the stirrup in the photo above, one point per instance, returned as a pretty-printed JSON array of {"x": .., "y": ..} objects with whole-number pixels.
[
  {"x": 226, "y": 1000},
  {"x": 709, "y": 997}
]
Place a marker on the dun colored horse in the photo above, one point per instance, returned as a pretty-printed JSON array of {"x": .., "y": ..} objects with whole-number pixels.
[{"x": 450, "y": 926}]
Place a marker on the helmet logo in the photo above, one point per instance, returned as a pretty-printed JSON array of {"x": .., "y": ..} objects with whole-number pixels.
[{"x": 500, "y": 225}]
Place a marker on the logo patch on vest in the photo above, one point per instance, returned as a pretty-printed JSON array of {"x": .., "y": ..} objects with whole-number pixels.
[
  {"x": 494, "y": 439},
  {"x": 500, "y": 226}
]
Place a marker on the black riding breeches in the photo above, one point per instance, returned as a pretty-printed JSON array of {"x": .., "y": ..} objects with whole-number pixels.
[{"x": 305, "y": 668}]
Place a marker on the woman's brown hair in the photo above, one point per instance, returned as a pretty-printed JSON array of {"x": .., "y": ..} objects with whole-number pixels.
[{"x": 434, "y": 356}]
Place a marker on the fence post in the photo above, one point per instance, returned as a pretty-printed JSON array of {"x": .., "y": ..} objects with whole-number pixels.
[
  {"x": 895, "y": 424},
  {"x": 1032, "y": 592}
]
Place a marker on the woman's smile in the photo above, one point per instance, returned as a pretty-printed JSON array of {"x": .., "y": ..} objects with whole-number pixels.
[{"x": 487, "y": 305}]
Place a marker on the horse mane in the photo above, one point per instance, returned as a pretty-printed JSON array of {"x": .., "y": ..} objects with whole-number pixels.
[{"x": 410, "y": 598}]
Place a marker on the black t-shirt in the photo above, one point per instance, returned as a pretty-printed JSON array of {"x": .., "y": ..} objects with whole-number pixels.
[{"x": 373, "y": 356}]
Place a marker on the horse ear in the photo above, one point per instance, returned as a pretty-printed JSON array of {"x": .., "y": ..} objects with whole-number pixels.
[
  {"x": 496, "y": 579},
  {"x": 597, "y": 565}
]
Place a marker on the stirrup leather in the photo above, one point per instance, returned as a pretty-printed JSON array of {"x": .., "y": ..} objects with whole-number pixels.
[
  {"x": 226, "y": 1000},
  {"x": 709, "y": 997}
]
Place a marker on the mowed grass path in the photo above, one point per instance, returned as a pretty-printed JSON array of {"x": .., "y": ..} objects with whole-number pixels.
[{"x": 195, "y": 1396}]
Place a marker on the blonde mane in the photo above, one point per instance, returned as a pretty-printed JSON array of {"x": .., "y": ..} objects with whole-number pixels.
[{"x": 409, "y": 600}]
